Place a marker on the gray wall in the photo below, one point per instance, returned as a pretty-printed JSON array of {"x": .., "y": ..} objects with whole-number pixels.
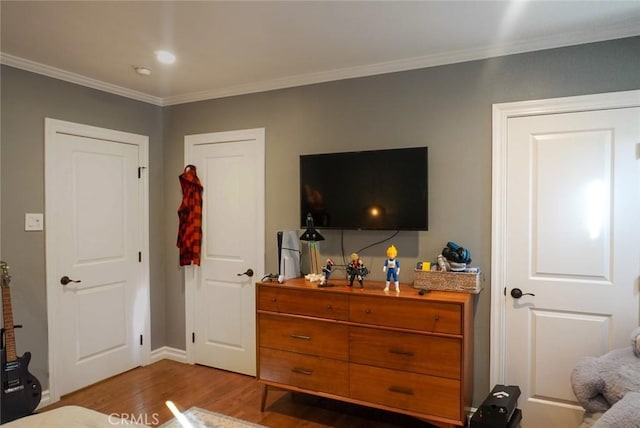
[
  {"x": 447, "y": 108},
  {"x": 26, "y": 99}
]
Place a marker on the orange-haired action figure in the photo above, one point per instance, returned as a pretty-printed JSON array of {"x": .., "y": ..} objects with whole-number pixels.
[{"x": 356, "y": 270}]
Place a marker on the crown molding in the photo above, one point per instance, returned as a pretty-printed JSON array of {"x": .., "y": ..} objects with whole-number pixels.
[
  {"x": 499, "y": 49},
  {"x": 78, "y": 79}
]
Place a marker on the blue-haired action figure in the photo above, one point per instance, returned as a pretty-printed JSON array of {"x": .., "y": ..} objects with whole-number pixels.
[{"x": 392, "y": 268}]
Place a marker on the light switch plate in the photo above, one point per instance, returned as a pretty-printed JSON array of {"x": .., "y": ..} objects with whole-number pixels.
[{"x": 33, "y": 221}]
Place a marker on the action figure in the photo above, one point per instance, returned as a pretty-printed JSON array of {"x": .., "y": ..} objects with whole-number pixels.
[
  {"x": 442, "y": 263},
  {"x": 392, "y": 268},
  {"x": 326, "y": 269},
  {"x": 356, "y": 270}
]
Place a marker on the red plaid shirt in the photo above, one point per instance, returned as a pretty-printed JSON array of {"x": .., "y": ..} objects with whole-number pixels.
[{"x": 190, "y": 217}]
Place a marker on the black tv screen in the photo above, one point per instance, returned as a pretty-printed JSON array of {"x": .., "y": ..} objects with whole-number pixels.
[{"x": 375, "y": 190}]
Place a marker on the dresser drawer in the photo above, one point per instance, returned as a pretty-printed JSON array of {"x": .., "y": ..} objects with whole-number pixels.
[
  {"x": 321, "y": 338},
  {"x": 304, "y": 371},
  {"x": 315, "y": 303},
  {"x": 437, "y": 317},
  {"x": 409, "y": 391},
  {"x": 432, "y": 355}
]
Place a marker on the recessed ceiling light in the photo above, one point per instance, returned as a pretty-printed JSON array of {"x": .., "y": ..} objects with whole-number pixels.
[
  {"x": 165, "y": 57},
  {"x": 143, "y": 71}
]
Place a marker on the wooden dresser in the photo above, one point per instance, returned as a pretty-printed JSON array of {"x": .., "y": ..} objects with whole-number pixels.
[{"x": 401, "y": 352}]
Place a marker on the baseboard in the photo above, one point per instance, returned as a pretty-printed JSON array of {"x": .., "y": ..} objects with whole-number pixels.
[
  {"x": 168, "y": 353},
  {"x": 45, "y": 400},
  {"x": 470, "y": 412}
]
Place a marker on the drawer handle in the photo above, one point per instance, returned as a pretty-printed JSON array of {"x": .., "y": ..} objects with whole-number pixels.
[
  {"x": 299, "y": 336},
  {"x": 273, "y": 299},
  {"x": 367, "y": 311},
  {"x": 400, "y": 390},
  {"x": 330, "y": 307},
  {"x": 437, "y": 317},
  {"x": 302, "y": 371},
  {"x": 401, "y": 352}
]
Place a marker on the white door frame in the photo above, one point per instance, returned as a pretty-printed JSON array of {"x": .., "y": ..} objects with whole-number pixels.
[
  {"x": 190, "y": 271},
  {"x": 53, "y": 127},
  {"x": 501, "y": 115}
]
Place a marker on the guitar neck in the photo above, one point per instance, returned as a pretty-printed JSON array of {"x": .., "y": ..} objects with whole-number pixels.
[{"x": 9, "y": 333}]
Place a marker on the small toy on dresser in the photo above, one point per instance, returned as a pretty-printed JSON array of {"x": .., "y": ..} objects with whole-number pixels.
[
  {"x": 326, "y": 270},
  {"x": 456, "y": 258},
  {"x": 356, "y": 270},
  {"x": 450, "y": 272},
  {"x": 392, "y": 268}
]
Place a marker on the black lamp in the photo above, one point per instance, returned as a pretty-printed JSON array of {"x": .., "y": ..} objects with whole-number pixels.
[{"x": 312, "y": 236}]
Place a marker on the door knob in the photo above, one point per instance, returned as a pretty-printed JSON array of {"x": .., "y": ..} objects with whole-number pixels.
[
  {"x": 248, "y": 272},
  {"x": 66, "y": 280},
  {"x": 516, "y": 293}
]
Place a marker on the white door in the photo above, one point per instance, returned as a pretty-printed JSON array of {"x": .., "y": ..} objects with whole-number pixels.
[
  {"x": 220, "y": 300},
  {"x": 572, "y": 240},
  {"x": 95, "y": 236}
]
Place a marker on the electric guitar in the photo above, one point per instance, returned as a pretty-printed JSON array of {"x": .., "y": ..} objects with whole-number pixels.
[{"x": 21, "y": 391}]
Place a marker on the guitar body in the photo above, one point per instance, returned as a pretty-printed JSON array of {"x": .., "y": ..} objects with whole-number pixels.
[{"x": 21, "y": 391}]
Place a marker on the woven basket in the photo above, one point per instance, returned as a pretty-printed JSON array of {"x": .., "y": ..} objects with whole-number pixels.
[{"x": 467, "y": 282}]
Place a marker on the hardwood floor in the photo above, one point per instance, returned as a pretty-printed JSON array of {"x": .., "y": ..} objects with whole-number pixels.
[{"x": 142, "y": 392}]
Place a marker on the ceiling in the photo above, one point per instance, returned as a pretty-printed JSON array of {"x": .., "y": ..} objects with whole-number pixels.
[{"x": 228, "y": 48}]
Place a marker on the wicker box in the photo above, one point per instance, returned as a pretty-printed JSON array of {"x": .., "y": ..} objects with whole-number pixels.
[{"x": 467, "y": 282}]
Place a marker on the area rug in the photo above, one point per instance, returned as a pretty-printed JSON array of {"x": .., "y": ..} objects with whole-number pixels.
[{"x": 201, "y": 418}]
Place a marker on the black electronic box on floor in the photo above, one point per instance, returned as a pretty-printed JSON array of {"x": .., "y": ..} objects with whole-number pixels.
[{"x": 499, "y": 409}]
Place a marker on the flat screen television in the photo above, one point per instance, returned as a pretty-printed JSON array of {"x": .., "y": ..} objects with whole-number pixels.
[{"x": 371, "y": 190}]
